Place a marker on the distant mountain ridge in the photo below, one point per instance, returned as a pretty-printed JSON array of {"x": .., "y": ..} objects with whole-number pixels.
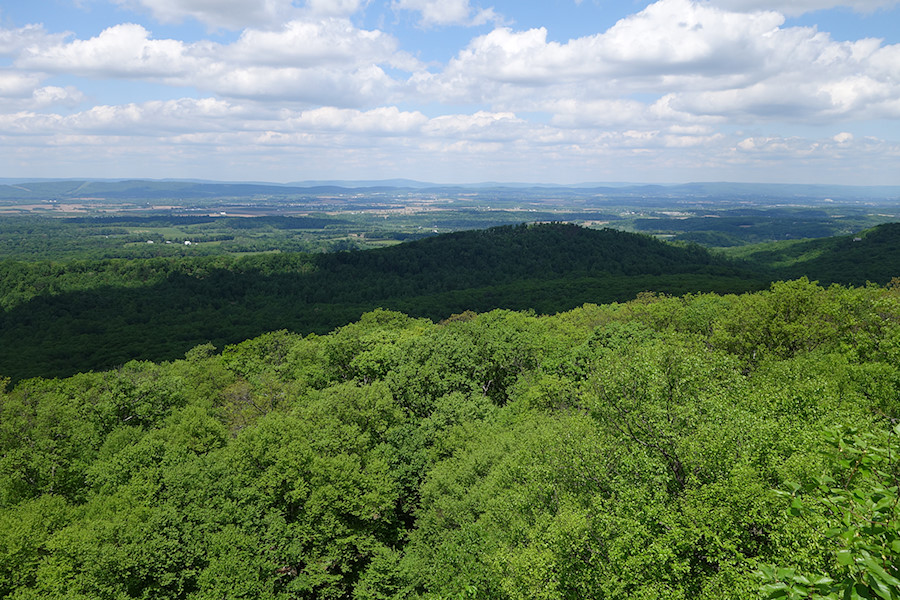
[{"x": 147, "y": 189}]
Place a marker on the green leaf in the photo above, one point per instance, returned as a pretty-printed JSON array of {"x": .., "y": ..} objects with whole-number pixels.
[
  {"x": 823, "y": 584},
  {"x": 883, "y": 503},
  {"x": 879, "y": 587},
  {"x": 860, "y": 592},
  {"x": 784, "y": 573},
  {"x": 845, "y": 557},
  {"x": 776, "y": 590},
  {"x": 767, "y": 571},
  {"x": 877, "y": 570}
]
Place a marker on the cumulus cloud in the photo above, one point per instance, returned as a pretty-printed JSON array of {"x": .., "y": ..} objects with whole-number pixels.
[
  {"x": 705, "y": 62},
  {"x": 156, "y": 118},
  {"x": 14, "y": 84},
  {"x": 481, "y": 126},
  {"x": 22, "y": 91},
  {"x": 384, "y": 121},
  {"x": 673, "y": 36},
  {"x": 325, "y": 61},
  {"x": 843, "y": 137},
  {"x": 331, "y": 87},
  {"x": 312, "y": 43},
  {"x": 207, "y": 116},
  {"x": 52, "y": 95},
  {"x": 843, "y": 146},
  {"x": 247, "y": 139},
  {"x": 670, "y": 44},
  {"x": 447, "y": 12},
  {"x": 333, "y": 8},
  {"x": 799, "y": 7},
  {"x": 120, "y": 51},
  {"x": 241, "y": 14},
  {"x": 226, "y": 14},
  {"x": 13, "y": 41},
  {"x": 670, "y": 82},
  {"x": 827, "y": 80}
]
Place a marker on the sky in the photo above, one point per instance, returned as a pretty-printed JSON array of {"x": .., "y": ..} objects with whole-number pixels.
[{"x": 452, "y": 91}]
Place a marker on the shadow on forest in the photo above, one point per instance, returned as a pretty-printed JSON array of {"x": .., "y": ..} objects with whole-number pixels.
[{"x": 547, "y": 268}]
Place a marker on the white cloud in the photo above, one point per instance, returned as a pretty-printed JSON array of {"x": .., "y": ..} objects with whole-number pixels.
[
  {"x": 22, "y": 91},
  {"x": 241, "y": 14},
  {"x": 120, "y": 51},
  {"x": 12, "y": 41},
  {"x": 312, "y": 43},
  {"x": 481, "y": 126},
  {"x": 447, "y": 12},
  {"x": 571, "y": 112},
  {"x": 673, "y": 36},
  {"x": 706, "y": 62},
  {"x": 227, "y": 14},
  {"x": 331, "y": 87},
  {"x": 843, "y": 137},
  {"x": 14, "y": 84},
  {"x": 335, "y": 8},
  {"x": 667, "y": 84},
  {"x": 843, "y": 151},
  {"x": 326, "y": 61},
  {"x": 668, "y": 45},
  {"x": 156, "y": 118},
  {"x": 219, "y": 139},
  {"x": 385, "y": 121},
  {"x": 52, "y": 95},
  {"x": 799, "y": 7},
  {"x": 670, "y": 37},
  {"x": 188, "y": 116}
]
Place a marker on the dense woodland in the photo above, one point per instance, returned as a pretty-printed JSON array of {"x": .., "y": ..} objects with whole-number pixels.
[
  {"x": 65, "y": 317},
  {"x": 61, "y": 317},
  {"x": 628, "y": 450},
  {"x": 499, "y": 414}
]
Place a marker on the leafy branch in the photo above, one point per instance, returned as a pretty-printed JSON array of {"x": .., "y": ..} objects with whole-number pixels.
[{"x": 863, "y": 517}]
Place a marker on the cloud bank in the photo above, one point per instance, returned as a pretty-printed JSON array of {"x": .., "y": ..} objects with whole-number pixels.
[{"x": 680, "y": 86}]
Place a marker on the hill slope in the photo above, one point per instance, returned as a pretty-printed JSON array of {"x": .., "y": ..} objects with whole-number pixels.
[
  {"x": 870, "y": 256},
  {"x": 61, "y": 319}
]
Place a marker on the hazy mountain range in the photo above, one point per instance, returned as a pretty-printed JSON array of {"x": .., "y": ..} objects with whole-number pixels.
[{"x": 48, "y": 189}]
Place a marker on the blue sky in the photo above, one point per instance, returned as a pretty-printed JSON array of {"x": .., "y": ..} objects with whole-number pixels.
[{"x": 452, "y": 90}]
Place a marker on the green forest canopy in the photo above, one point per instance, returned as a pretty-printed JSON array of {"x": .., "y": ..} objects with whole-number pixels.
[
  {"x": 61, "y": 318},
  {"x": 58, "y": 318},
  {"x": 625, "y": 450}
]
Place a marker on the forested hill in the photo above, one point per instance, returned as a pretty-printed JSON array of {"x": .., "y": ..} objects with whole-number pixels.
[
  {"x": 870, "y": 256},
  {"x": 62, "y": 318},
  {"x": 510, "y": 254}
]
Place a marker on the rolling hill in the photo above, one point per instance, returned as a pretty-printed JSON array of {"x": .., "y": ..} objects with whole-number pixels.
[
  {"x": 84, "y": 315},
  {"x": 870, "y": 256}
]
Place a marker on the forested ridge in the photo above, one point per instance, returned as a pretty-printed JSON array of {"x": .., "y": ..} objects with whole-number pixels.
[
  {"x": 625, "y": 450},
  {"x": 397, "y": 435},
  {"x": 60, "y": 318},
  {"x": 871, "y": 255}
]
